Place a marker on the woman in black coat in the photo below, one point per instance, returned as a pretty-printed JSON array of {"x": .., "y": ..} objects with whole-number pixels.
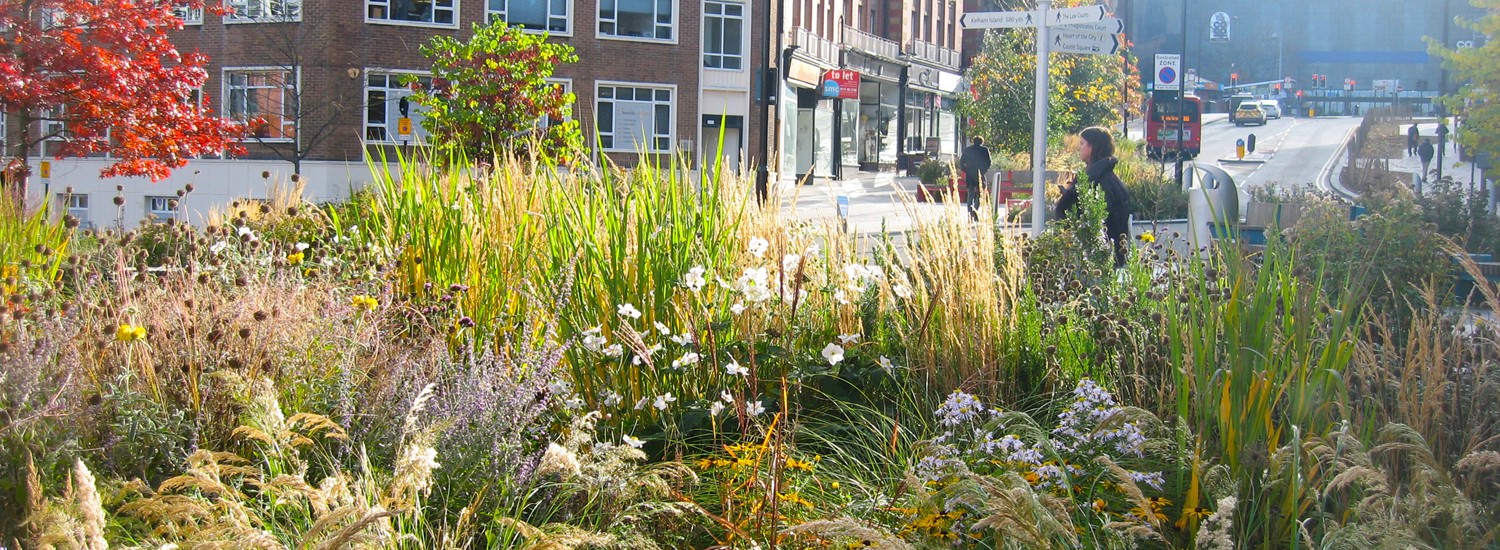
[{"x": 1097, "y": 149}]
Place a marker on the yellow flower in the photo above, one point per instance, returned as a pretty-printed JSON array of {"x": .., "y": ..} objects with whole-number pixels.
[
  {"x": 1099, "y": 505},
  {"x": 294, "y": 258},
  {"x": 363, "y": 302},
  {"x": 1148, "y": 237},
  {"x": 705, "y": 463},
  {"x": 834, "y": 485},
  {"x": 1196, "y": 514},
  {"x": 1157, "y": 503},
  {"x": 130, "y": 333},
  {"x": 794, "y": 464}
]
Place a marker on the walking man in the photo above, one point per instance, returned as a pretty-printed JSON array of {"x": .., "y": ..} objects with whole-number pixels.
[
  {"x": 974, "y": 163},
  {"x": 1424, "y": 152},
  {"x": 1411, "y": 140},
  {"x": 1442, "y": 145}
]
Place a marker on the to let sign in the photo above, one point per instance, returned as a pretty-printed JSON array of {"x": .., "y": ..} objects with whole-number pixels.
[{"x": 841, "y": 83}]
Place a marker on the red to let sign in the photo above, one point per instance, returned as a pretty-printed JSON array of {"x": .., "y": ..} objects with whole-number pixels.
[{"x": 841, "y": 83}]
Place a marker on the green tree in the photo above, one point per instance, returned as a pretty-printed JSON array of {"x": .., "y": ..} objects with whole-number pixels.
[
  {"x": 1086, "y": 90},
  {"x": 490, "y": 95},
  {"x": 1478, "y": 96}
]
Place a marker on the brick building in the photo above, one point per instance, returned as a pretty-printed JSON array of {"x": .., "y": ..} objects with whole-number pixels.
[{"x": 666, "y": 76}]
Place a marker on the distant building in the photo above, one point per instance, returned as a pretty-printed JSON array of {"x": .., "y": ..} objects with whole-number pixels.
[{"x": 1363, "y": 40}]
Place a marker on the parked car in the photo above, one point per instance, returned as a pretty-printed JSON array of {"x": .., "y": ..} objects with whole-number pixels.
[
  {"x": 1272, "y": 108},
  {"x": 1249, "y": 113}
]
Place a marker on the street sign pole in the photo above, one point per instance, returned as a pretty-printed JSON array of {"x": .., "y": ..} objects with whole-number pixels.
[{"x": 1039, "y": 128}]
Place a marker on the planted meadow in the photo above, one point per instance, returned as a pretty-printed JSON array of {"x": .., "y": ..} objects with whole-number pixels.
[{"x": 522, "y": 356}]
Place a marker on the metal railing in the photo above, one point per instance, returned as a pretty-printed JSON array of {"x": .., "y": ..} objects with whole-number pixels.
[
  {"x": 933, "y": 52},
  {"x": 861, "y": 40},
  {"x": 816, "y": 46}
]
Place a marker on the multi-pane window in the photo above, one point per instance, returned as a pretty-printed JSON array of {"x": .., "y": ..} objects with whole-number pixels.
[
  {"x": 648, "y": 19},
  {"x": 634, "y": 118},
  {"x": 76, "y": 205},
  {"x": 535, "y": 15},
  {"x": 567, "y": 87},
  {"x": 438, "y": 12},
  {"x": 161, "y": 208},
  {"x": 264, "y": 10},
  {"x": 261, "y": 98},
  {"x": 387, "y": 101},
  {"x": 189, "y": 16},
  {"x": 723, "y": 35}
]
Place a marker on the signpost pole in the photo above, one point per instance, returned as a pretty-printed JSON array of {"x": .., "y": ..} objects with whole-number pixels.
[{"x": 1039, "y": 128}]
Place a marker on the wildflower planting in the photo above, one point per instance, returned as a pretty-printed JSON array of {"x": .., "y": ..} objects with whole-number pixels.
[{"x": 522, "y": 355}]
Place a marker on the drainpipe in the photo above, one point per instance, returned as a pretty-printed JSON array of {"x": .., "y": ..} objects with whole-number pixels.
[{"x": 770, "y": 85}]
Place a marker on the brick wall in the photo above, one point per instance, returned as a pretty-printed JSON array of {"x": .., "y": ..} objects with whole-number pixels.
[{"x": 333, "y": 38}]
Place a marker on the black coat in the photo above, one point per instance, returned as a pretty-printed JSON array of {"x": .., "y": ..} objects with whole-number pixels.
[
  {"x": 1116, "y": 200},
  {"x": 1425, "y": 151},
  {"x": 976, "y": 158}
]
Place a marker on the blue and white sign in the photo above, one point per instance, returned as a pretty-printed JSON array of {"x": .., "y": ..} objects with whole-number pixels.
[{"x": 1168, "y": 71}]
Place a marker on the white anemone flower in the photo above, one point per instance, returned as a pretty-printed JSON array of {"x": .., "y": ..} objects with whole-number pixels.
[
  {"x": 627, "y": 310},
  {"x": 833, "y": 353}
]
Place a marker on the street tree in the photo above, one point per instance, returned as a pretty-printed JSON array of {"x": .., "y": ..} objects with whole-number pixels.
[
  {"x": 297, "y": 58},
  {"x": 101, "y": 76},
  {"x": 1477, "y": 98},
  {"x": 490, "y": 95},
  {"x": 1086, "y": 90}
]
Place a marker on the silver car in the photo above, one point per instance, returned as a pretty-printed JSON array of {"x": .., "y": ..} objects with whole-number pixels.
[{"x": 1271, "y": 108}]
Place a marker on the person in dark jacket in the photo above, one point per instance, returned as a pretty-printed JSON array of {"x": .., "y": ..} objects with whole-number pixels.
[
  {"x": 1411, "y": 140},
  {"x": 974, "y": 162},
  {"x": 1097, "y": 149},
  {"x": 1424, "y": 152}
]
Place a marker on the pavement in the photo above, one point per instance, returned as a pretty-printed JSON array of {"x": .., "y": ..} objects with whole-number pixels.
[
  {"x": 1461, "y": 172},
  {"x": 877, "y": 202}
]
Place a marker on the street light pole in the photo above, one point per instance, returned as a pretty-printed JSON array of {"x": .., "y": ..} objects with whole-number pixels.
[
  {"x": 1182, "y": 93},
  {"x": 1280, "y": 73}
]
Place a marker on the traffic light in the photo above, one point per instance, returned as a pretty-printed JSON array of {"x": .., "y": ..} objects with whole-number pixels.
[
  {"x": 1315, "y": 81},
  {"x": 1234, "y": 79},
  {"x": 1276, "y": 87},
  {"x": 1299, "y": 93}
]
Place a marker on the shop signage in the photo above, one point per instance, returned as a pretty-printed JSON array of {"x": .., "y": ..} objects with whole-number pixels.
[{"x": 841, "y": 83}]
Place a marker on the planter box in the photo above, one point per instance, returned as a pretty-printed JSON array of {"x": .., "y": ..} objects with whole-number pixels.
[{"x": 1267, "y": 214}]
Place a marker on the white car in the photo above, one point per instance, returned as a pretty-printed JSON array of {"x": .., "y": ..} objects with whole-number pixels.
[{"x": 1271, "y": 108}]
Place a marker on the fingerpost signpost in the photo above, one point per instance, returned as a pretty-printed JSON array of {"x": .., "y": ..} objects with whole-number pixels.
[{"x": 1085, "y": 30}]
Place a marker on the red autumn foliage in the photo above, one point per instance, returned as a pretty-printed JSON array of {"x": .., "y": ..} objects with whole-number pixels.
[{"x": 102, "y": 76}]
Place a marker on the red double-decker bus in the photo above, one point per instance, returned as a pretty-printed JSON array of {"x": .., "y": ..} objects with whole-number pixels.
[{"x": 1163, "y": 121}]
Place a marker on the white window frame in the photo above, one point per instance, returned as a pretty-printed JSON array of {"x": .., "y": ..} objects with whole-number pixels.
[
  {"x": 294, "y": 80},
  {"x": 388, "y": 125},
  {"x": 544, "y": 121},
  {"x": 76, "y": 205},
  {"x": 742, "y": 17},
  {"x": 189, "y": 16},
  {"x": 492, "y": 14},
  {"x": 267, "y": 5},
  {"x": 672, "y": 116},
  {"x": 388, "y": 4},
  {"x": 161, "y": 214},
  {"x": 600, "y": 21}
]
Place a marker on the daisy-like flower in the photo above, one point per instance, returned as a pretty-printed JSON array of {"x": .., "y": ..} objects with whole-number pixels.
[
  {"x": 694, "y": 280},
  {"x": 734, "y": 369},
  {"x": 627, "y": 310},
  {"x": 612, "y": 399},
  {"x": 758, "y": 246},
  {"x": 847, "y": 339},
  {"x": 295, "y": 258},
  {"x": 633, "y": 442},
  {"x": 833, "y": 353},
  {"x": 755, "y": 408},
  {"x": 715, "y": 408},
  {"x": 790, "y": 263},
  {"x": 1147, "y": 237},
  {"x": 614, "y": 350},
  {"x": 688, "y": 358},
  {"x": 683, "y": 339},
  {"x": 737, "y": 308},
  {"x": 663, "y": 401},
  {"x": 364, "y": 303},
  {"x": 130, "y": 333},
  {"x": 885, "y": 363},
  {"x": 593, "y": 340}
]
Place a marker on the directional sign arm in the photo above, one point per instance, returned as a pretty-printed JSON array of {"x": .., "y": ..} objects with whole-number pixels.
[
  {"x": 998, "y": 19},
  {"x": 1070, "y": 16}
]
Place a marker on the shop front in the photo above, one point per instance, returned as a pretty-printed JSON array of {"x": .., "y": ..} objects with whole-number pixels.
[
  {"x": 809, "y": 129},
  {"x": 929, "y": 114},
  {"x": 871, "y": 125}
]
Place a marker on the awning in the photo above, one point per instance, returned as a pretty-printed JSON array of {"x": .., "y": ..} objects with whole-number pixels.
[{"x": 802, "y": 74}]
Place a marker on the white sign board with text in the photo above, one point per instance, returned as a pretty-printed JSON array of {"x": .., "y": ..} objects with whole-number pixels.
[{"x": 1168, "y": 71}]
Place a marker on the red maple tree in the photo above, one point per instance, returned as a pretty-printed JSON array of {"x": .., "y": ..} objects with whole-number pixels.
[{"x": 102, "y": 76}]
